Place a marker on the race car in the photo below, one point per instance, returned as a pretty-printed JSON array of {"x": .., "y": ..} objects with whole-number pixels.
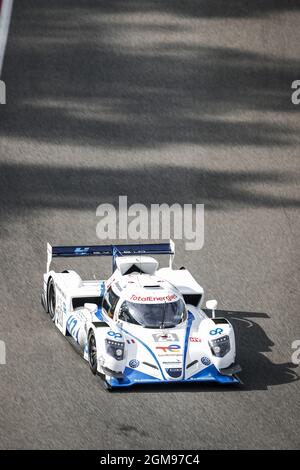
[{"x": 145, "y": 323}]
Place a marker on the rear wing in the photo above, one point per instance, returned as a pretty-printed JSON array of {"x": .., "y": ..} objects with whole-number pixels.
[{"x": 111, "y": 250}]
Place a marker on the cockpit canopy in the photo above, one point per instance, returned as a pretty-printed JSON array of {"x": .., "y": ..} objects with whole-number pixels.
[{"x": 153, "y": 315}]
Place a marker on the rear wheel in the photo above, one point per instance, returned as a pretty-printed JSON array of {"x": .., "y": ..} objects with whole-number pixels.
[
  {"x": 51, "y": 299},
  {"x": 92, "y": 353}
]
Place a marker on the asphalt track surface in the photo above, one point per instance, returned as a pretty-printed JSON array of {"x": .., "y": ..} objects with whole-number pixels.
[{"x": 163, "y": 101}]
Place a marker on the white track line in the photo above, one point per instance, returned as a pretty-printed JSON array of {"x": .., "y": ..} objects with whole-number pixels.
[{"x": 6, "y": 9}]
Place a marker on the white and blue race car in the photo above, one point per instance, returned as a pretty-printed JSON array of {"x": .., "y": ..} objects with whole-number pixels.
[{"x": 142, "y": 325}]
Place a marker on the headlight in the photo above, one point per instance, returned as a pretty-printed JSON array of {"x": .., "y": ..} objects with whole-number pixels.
[
  {"x": 220, "y": 346},
  {"x": 115, "y": 349}
]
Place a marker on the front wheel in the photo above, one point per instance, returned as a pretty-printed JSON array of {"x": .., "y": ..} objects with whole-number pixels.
[
  {"x": 106, "y": 384},
  {"x": 92, "y": 353}
]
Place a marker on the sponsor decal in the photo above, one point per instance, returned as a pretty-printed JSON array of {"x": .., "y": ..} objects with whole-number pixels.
[
  {"x": 130, "y": 341},
  {"x": 82, "y": 251},
  {"x": 194, "y": 339},
  {"x": 113, "y": 334},
  {"x": 175, "y": 373},
  {"x": 61, "y": 307},
  {"x": 134, "y": 363},
  {"x": 217, "y": 331},
  {"x": 171, "y": 348},
  {"x": 205, "y": 361},
  {"x": 149, "y": 298},
  {"x": 73, "y": 327},
  {"x": 165, "y": 337}
]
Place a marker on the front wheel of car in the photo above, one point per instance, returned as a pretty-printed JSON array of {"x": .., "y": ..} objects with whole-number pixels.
[
  {"x": 51, "y": 300},
  {"x": 92, "y": 353},
  {"x": 106, "y": 384}
]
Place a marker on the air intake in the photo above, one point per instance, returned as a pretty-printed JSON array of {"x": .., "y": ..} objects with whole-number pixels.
[
  {"x": 150, "y": 365},
  {"x": 149, "y": 286},
  {"x": 191, "y": 364}
]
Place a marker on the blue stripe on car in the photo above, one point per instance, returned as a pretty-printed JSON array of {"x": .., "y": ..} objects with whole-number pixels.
[
  {"x": 132, "y": 376},
  {"x": 191, "y": 318},
  {"x": 209, "y": 374},
  {"x": 150, "y": 351}
]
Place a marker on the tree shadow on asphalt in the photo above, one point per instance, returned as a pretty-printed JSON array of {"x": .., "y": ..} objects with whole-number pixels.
[
  {"x": 227, "y": 9},
  {"x": 258, "y": 372},
  {"x": 30, "y": 187},
  {"x": 94, "y": 77}
]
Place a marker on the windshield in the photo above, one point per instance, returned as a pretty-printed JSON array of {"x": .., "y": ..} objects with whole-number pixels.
[{"x": 163, "y": 315}]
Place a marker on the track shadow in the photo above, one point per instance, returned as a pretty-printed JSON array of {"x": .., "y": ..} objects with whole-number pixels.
[
  {"x": 91, "y": 76},
  {"x": 258, "y": 372},
  {"x": 228, "y": 9},
  {"x": 29, "y": 187},
  {"x": 252, "y": 342}
]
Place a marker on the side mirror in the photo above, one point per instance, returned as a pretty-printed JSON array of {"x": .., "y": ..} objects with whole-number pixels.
[
  {"x": 212, "y": 305},
  {"x": 91, "y": 307}
]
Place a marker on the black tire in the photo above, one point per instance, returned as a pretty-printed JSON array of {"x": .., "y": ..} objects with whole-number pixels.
[
  {"x": 92, "y": 353},
  {"x": 51, "y": 299},
  {"x": 107, "y": 386}
]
